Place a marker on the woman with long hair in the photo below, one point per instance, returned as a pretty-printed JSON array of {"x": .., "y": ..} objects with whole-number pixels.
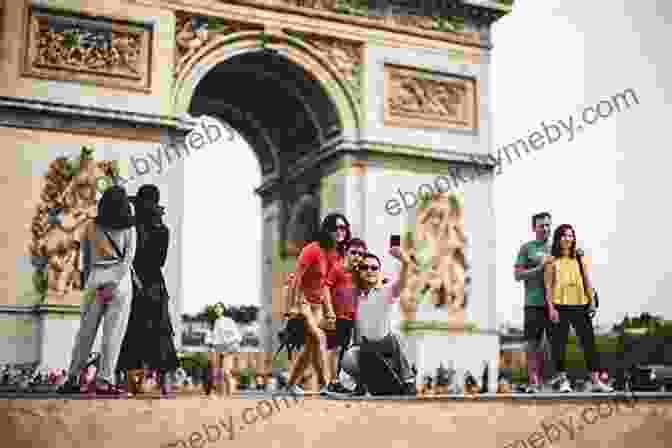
[
  {"x": 149, "y": 337},
  {"x": 568, "y": 296},
  {"x": 309, "y": 297},
  {"x": 107, "y": 277}
]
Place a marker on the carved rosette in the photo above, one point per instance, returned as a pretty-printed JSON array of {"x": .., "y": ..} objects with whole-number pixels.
[
  {"x": 344, "y": 55},
  {"x": 192, "y": 32},
  {"x": 416, "y": 98},
  {"x": 100, "y": 51}
]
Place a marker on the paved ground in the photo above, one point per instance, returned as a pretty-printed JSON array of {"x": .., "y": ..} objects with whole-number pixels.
[{"x": 266, "y": 420}]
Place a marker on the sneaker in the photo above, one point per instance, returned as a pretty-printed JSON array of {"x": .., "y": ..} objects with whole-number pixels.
[
  {"x": 599, "y": 386},
  {"x": 324, "y": 390},
  {"x": 295, "y": 389},
  {"x": 409, "y": 389},
  {"x": 532, "y": 389},
  {"x": 338, "y": 388},
  {"x": 561, "y": 383}
]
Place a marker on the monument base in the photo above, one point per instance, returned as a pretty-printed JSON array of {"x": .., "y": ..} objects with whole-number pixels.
[{"x": 434, "y": 345}]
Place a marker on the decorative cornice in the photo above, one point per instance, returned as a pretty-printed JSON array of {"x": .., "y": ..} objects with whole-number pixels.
[
  {"x": 342, "y": 146},
  {"x": 89, "y": 115},
  {"x": 40, "y": 309},
  {"x": 439, "y": 328}
]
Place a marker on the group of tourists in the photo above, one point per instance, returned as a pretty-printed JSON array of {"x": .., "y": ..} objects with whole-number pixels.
[
  {"x": 339, "y": 304},
  {"x": 558, "y": 293},
  {"x": 123, "y": 251},
  {"x": 342, "y": 304}
]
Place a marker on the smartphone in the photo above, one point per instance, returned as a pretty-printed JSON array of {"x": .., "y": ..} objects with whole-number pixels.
[{"x": 395, "y": 240}]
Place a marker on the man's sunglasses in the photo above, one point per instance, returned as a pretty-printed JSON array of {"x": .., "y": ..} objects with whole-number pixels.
[
  {"x": 356, "y": 253},
  {"x": 369, "y": 267}
]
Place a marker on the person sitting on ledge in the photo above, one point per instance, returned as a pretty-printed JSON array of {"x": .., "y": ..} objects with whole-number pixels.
[{"x": 374, "y": 327}]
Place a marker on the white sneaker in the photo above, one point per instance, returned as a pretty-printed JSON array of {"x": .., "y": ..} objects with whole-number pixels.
[
  {"x": 599, "y": 386},
  {"x": 295, "y": 389},
  {"x": 561, "y": 383},
  {"x": 532, "y": 389}
]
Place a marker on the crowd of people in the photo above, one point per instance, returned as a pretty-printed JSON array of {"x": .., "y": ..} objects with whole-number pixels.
[
  {"x": 558, "y": 293},
  {"x": 343, "y": 304},
  {"x": 339, "y": 305}
]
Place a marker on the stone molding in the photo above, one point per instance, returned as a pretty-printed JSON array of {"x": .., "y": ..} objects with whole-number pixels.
[
  {"x": 346, "y": 56},
  {"x": 69, "y": 47},
  {"x": 419, "y": 98},
  {"x": 31, "y": 113},
  {"x": 194, "y": 31},
  {"x": 41, "y": 309},
  {"x": 278, "y": 14}
]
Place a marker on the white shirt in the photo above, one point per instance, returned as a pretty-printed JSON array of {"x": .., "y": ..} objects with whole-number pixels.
[
  {"x": 226, "y": 332},
  {"x": 375, "y": 311}
]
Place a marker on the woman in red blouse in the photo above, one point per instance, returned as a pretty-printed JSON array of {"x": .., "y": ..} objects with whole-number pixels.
[{"x": 309, "y": 296}]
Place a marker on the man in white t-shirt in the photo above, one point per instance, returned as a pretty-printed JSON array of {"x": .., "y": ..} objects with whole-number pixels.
[{"x": 376, "y": 301}]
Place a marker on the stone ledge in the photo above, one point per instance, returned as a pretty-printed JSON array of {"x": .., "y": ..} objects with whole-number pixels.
[{"x": 199, "y": 422}]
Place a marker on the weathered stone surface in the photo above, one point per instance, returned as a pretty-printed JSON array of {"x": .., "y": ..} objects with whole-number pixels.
[{"x": 310, "y": 422}]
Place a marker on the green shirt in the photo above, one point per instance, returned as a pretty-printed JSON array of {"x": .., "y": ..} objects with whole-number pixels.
[{"x": 530, "y": 256}]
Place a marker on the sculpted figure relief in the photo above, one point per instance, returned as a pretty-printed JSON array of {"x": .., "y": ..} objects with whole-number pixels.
[
  {"x": 410, "y": 94},
  {"x": 67, "y": 202},
  {"x": 81, "y": 49},
  {"x": 439, "y": 246}
]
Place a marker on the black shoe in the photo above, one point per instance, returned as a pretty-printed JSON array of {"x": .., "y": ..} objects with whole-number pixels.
[
  {"x": 360, "y": 391},
  {"x": 71, "y": 386},
  {"x": 338, "y": 388},
  {"x": 410, "y": 389}
]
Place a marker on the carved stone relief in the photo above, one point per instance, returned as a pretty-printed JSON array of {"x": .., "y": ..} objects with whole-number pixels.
[
  {"x": 100, "y": 51},
  {"x": 68, "y": 202},
  {"x": 417, "y": 98},
  {"x": 194, "y": 31},
  {"x": 438, "y": 281},
  {"x": 346, "y": 56}
]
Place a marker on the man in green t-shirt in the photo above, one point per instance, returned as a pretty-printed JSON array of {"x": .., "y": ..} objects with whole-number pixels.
[{"x": 529, "y": 268}]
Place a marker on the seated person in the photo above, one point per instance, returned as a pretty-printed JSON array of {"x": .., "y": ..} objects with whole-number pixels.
[{"x": 374, "y": 332}]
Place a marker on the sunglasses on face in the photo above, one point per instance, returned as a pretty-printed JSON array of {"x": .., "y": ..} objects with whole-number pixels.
[
  {"x": 341, "y": 227},
  {"x": 567, "y": 237},
  {"x": 356, "y": 253},
  {"x": 369, "y": 267}
]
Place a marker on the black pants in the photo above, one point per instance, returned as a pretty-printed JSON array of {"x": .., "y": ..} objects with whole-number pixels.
[
  {"x": 577, "y": 316},
  {"x": 390, "y": 348}
]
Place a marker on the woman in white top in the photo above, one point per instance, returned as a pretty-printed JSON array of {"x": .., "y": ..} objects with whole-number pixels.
[
  {"x": 225, "y": 340},
  {"x": 108, "y": 279}
]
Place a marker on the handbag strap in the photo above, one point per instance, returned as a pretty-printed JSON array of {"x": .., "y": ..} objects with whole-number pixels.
[
  {"x": 583, "y": 275},
  {"x": 119, "y": 254}
]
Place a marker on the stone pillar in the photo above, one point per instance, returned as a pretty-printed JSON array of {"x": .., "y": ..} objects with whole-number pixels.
[{"x": 271, "y": 276}]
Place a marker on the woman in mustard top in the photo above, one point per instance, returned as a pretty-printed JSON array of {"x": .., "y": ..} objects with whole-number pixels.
[{"x": 568, "y": 298}]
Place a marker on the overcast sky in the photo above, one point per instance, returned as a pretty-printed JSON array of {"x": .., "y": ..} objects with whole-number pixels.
[{"x": 551, "y": 59}]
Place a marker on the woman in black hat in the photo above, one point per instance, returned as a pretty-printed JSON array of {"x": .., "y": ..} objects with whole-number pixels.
[{"x": 149, "y": 337}]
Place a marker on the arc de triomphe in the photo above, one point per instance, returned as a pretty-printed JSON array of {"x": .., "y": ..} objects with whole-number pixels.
[{"x": 347, "y": 105}]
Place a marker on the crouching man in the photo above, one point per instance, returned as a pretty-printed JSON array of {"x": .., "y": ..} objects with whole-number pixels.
[{"x": 378, "y": 362}]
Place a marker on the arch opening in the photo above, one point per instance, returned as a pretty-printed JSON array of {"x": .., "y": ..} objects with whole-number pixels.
[{"x": 277, "y": 106}]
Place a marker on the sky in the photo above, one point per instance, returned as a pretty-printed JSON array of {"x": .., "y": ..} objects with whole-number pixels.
[{"x": 550, "y": 59}]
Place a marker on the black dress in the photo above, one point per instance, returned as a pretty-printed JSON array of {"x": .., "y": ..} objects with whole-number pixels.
[{"x": 148, "y": 342}]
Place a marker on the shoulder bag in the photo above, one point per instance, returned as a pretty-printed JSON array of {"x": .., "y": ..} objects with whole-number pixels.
[{"x": 594, "y": 300}]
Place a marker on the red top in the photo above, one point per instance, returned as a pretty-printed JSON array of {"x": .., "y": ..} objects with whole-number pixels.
[
  {"x": 342, "y": 292},
  {"x": 317, "y": 264}
]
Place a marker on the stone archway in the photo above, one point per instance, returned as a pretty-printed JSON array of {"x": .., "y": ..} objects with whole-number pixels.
[{"x": 290, "y": 106}]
